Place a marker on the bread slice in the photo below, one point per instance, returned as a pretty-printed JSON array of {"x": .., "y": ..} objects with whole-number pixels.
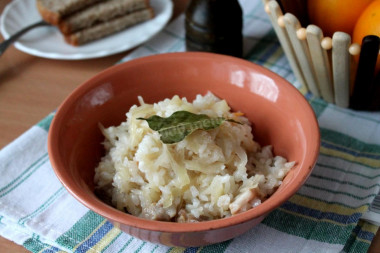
[
  {"x": 109, "y": 27},
  {"x": 100, "y": 12},
  {"x": 52, "y": 11}
]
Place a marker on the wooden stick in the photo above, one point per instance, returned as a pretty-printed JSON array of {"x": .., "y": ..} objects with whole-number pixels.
[
  {"x": 341, "y": 68},
  {"x": 363, "y": 88},
  {"x": 320, "y": 62},
  {"x": 275, "y": 15},
  {"x": 302, "y": 52},
  {"x": 326, "y": 44},
  {"x": 354, "y": 50},
  {"x": 281, "y": 5}
]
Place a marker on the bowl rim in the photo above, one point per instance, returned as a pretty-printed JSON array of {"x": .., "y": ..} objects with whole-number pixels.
[{"x": 115, "y": 215}]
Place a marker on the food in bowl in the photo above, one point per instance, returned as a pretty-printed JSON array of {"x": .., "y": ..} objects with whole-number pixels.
[
  {"x": 210, "y": 174},
  {"x": 279, "y": 114}
]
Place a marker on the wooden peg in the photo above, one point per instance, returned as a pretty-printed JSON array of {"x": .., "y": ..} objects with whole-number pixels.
[
  {"x": 302, "y": 52},
  {"x": 281, "y": 5},
  {"x": 321, "y": 62},
  {"x": 276, "y": 15},
  {"x": 341, "y": 68}
]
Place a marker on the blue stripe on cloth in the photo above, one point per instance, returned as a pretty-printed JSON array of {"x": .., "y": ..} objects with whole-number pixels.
[
  {"x": 51, "y": 250},
  {"x": 191, "y": 250},
  {"x": 344, "y": 219},
  {"x": 349, "y": 151},
  {"x": 95, "y": 238},
  {"x": 365, "y": 235}
]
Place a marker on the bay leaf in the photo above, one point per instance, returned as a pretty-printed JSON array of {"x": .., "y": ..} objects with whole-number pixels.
[{"x": 182, "y": 123}]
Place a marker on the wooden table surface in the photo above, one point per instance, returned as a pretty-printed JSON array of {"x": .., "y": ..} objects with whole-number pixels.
[{"x": 32, "y": 87}]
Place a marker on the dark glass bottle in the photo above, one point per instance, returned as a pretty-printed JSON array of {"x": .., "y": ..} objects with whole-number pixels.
[{"x": 214, "y": 26}]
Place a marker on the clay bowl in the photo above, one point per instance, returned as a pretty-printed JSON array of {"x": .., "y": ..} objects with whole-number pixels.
[{"x": 280, "y": 115}]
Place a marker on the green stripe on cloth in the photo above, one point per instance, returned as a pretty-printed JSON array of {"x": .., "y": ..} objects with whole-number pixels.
[
  {"x": 357, "y": 244},
  {"x": 43, "y": 207},
  {"x": 24, "y": 176},
  {"x": 35, "y": 245},
  {"x": 44, "y": 157},
  {"x": 126, "y": 245},
  {"x": 45, "y": 123},
  {"x": 307, "y": 227},
  {"x": 350, "y": 143},
  {"x": 155, "y": 247},
  {"x": 140, "y": 247},
  {"x": 80, "y": 231}
]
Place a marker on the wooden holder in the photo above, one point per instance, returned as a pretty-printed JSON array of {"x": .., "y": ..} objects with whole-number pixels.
[{"x": 324, "y": 65}]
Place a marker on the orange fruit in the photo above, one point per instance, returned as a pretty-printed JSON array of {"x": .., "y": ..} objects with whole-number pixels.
[
  {"x": 368, "y": 24},
  {"x": 336, "y": 15}
]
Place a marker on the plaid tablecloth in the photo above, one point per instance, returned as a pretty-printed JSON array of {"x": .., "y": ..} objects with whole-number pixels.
[{"x": 323, "y": 216}]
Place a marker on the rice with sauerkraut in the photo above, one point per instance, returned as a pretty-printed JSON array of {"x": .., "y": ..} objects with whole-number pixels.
[{"x": 209, "y": 175}]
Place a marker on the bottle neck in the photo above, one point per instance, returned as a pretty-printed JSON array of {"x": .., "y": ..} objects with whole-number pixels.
[{"x": 215, "y": 14}]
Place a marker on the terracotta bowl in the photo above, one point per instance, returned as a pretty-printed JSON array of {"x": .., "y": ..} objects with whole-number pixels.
[{"x": 280, "y": 115}]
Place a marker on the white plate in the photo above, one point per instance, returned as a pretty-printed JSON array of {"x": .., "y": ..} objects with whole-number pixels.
[{"x": 48, "y": 42}]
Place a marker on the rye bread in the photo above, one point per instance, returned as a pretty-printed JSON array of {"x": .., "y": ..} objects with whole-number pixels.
[
  {"x": 109, "y": 27},
  {"x": 53, "y": 11},
  {"x": 100, "y": 12}
]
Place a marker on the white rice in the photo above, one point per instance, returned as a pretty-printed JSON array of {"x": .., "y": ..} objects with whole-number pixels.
[{"x": 209, "y": 175}]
